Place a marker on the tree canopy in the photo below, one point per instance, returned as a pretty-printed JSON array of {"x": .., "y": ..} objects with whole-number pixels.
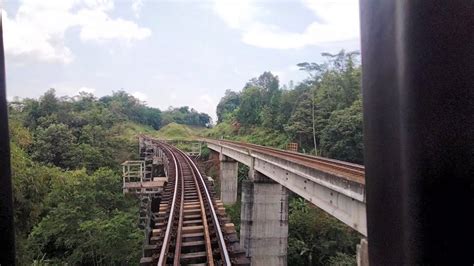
[
  {"x": 66, "y": 153},
  {"x": 322, "y": 111}
]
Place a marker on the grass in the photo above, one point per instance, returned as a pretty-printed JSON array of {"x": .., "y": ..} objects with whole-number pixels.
[
  {"x": 130, "y": 130},
  {"x": 256, "y": 135},
  {"x": 174, "y": 131}
]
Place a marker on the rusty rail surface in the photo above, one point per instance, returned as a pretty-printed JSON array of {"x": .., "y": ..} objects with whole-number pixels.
[
  {"x": 193, "y": 233},
  {"x": 350, "y": 171}
]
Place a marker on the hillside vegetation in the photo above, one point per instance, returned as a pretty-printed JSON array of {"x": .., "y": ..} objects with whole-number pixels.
[
  {"x": 66, "y": 155},
  {"x": 323, "y": 114},
  {"x": 174, "y": 131}
]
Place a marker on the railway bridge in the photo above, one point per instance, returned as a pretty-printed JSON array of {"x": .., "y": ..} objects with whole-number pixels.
[
  {"x": 185, "y": 222},
  {"x": 336, "y": 187}
]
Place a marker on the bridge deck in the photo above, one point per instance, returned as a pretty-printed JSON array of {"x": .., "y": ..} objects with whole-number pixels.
[{"x": 335, "y": 186}]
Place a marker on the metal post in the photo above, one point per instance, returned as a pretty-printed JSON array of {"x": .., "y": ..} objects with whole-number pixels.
[
  {"x": 7, "y": 236},
  {"x": 418, "y": 92}
]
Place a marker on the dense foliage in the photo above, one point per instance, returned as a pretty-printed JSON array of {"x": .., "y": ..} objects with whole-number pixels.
[
  {"x": 323, "y": 114},
  {"x": 68, "y": 216},
  {"x": 183, "y": 115},
  {"x": 66, "y": 152},
  {"x": 316, "y": 238}
]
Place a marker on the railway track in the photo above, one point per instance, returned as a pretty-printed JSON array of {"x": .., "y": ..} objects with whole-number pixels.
[
  {"x": 353, "y": 172},
  {"x": 190, "y": 226}
]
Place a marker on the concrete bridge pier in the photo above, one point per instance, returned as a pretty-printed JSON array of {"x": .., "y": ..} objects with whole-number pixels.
[
  {"x": 264, "y": 220},
  {"x": 363, "y": 253},
  {"x": 228, "y": 179}
]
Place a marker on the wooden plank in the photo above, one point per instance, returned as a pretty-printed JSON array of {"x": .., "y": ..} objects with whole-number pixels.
[{"x": 193, "y": 255}]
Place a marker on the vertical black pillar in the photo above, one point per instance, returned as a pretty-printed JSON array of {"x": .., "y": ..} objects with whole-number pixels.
[
  {"x": 418, "y": 92},
  {"x": 7, "y": 236}
]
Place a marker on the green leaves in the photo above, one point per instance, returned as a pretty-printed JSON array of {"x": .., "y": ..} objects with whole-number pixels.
[
  {"x": 308, "y": 114},
  {"x": 52, "y": 145},
  {"x": 342, "y": 138},
  {"x": 88, "y": 221},
  {"x": 68, "y": 208},
  {"x": 315, "y": 238},
  {"x": 250, "y": 106},
  {"x": 227, "y": 105},
  {"x": 184, "y": 115}
]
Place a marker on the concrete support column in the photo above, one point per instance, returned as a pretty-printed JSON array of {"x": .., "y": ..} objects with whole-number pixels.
[
  {"x": 228, "y": 180},
  {"x": 264, "y": 221},
  {"x": 363, "y": 253}
]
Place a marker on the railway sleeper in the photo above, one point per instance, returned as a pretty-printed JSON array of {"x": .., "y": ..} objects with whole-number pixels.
[
  {"x": 191, "y": 211},
  {"x": 149, "y": 250},
  {"x": 193, "y": 236},
  {"x": 191, "y": 217},
  {"x": 193, "y": 258},
  {"x": 193, "y": 247},
  {"x": 193, "y": 229},
  {"x": 192, "y": 222}
]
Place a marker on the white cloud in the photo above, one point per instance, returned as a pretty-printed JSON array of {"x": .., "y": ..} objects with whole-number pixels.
[
  {"x": 30, "y": 34},
  {"x": 37, "y": 30},
  {"x": 136, "y": 7},
  {"x": 140, "y": 96},
  {"x": 86, "y": 89},
  {"x": 293, "y": 68},
  {"x": 97, "y": 26},
  {"x": 100, "y": 4},
  {"x": 236, "y": 13},
  {"x": 289, "y": 73},
  {"x": 338, "y": 21},
  {"x": 281, "y": 75},
  {"x": 207, "y": 105}
]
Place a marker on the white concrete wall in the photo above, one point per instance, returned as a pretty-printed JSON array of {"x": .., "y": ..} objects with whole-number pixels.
[
  {"x": 228, "y": 181},
  {"x": 340, "y": 197},
  {"x": 264, "y": 222}
]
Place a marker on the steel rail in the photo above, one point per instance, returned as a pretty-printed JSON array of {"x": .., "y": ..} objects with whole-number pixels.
[
  {"x": 221, "y": 241},
  {"x": 177, "y": 252},
  {"x": 330, "y": 165},
  {"x": 342, "y": 164},
  {"x": 210, "y": 259},
  {"x": 164, "y": 247},
  {"x": 313, "y": 157},
  {"x": 174, "y": 152}
]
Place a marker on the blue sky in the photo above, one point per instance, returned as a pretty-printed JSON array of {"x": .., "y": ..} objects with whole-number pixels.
[{"x": 167, "y": 53}]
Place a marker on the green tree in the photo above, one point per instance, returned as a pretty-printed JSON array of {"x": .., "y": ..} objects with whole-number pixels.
[
  {"x": 184, "y": 115},
  {"x": 342, "y": 138},
  {"x": 49, "y": 103},
  {"x": 250, "y": 106},
  {"x": 267, "y": 83},
  {"x": 270, "y": 112},
  {"x": 288, "y": 100},
  {"x": 53, "y": 144},
  {"x": 88, "y": 222},
  {"x": 149, "y": 116},
  {"x": 315, "y": 238},
  {"x": 339, "y": 84},
  {"x": 300, "y": 124},
  {"x": 227, "y": 105},
  {"x": 31, "y": 185}
]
